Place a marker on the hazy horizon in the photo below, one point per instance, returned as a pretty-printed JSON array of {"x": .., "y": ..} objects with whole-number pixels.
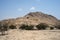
[{"x": 18, "y": 8}]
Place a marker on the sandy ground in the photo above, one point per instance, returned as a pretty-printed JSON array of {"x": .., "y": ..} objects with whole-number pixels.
[{"x": 32, "y": 35}]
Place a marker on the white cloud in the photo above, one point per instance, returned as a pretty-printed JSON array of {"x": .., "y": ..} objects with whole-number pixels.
[
  {"x": 32, "y": 8},
  {"x": 20, "y": 9}
]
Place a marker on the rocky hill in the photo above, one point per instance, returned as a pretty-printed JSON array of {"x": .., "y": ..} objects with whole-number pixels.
[
  {"x": 32, "y": 18},
  {"x": 42, "y": 18}
]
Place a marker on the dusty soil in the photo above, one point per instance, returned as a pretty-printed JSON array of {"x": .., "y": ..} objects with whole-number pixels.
[{"x": 32, "y": 35}]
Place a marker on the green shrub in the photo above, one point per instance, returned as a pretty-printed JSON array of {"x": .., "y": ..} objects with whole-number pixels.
[
  {"x": 57, "y": 26},
  {"x": 42, "y": 26},
  {"x": 29, "y": 27},
  {"x": 51, "y": 28},
  {"x": 12, "y": 27},
  {"x": 23, "y": 26},
  {"x": 26, "y": 27},
  {"x": 3, "y": 28}
]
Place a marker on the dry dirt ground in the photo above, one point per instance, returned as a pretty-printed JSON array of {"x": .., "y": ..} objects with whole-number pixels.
[{"x": 32, "y": 35}]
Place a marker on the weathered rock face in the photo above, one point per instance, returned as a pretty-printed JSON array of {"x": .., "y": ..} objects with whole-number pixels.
[{"x": 33, "y": 18}]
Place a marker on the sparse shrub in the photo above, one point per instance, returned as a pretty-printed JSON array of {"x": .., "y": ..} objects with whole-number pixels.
[
  {"x": 3, "y": 28},
  {"x": 57, "y": 26},
  {"x": 29, "y": 27},
  {"x": 22, "y": 26},
  {"x": 26, "y": 27},
  {"x": 51, "y": 28},
  {"x": 12, "y": 27},
  {"x": 42, "y": 26}
]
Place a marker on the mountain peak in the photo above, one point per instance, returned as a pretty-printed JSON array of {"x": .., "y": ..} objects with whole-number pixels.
[
  {"x": 33, "y": 14},
  {"x": 39, "y": 15}
]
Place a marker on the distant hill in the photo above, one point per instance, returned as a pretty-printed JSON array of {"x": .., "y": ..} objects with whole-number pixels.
[
  {"x": 32, "y": 18},
  {"x": 41, "y": 17}
]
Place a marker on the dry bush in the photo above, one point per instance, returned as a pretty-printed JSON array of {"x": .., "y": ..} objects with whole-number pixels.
[
  {"x": 58, "y": 26},
  {"x": 26, "y": 27},
  {"x": 12, "y": 27},
  {"x": 42, "y": 26},
  {"x": 3, "y": 28},
  {"x": 51, "y": 28}
]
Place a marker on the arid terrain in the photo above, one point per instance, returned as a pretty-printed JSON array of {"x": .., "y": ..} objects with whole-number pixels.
[
  {"x": 32, "y": 35},
  {"x": 32, "y": 18},
  {"x": 29, "y": 19},
  {"x": 13, "y": 27}
]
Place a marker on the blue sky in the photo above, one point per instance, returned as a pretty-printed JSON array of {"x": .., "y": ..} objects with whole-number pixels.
[{"x": 18, "y": 8}]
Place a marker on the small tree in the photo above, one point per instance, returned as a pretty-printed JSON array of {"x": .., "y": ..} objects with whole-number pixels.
[
  {"x": 42, "y": 26},
  {"x": 26, "y": 27},
  {"x": 51, "y": 28},
  {"x": 57, "y": 26},
  {"x": 3, "y": 28},
  {"x": 12, "y": 27},
  {"x": 29, "y": 27},
  {"x": 22, "y": 26}
]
